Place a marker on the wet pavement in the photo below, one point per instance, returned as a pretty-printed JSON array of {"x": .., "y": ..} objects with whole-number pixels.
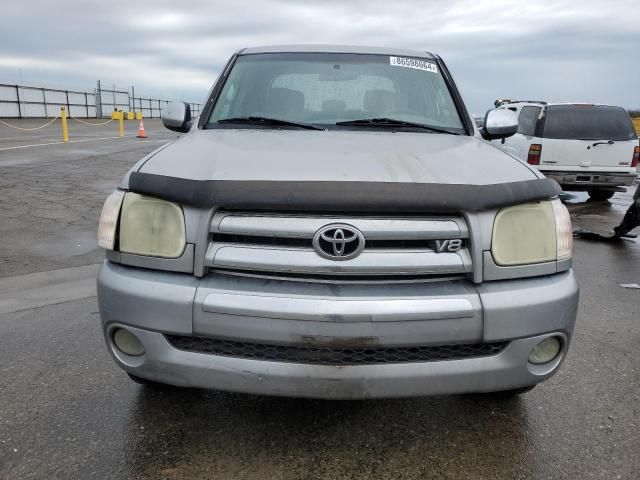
[
  {"x": 598, "y": 218},
  {"x": 51, "y": 195},
  {"x": 66, "y": 411}
]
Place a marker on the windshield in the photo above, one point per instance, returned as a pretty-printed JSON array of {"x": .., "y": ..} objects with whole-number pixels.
[
  {"x": 323, "y": 89},
  {"x": 588, "y": 122}
]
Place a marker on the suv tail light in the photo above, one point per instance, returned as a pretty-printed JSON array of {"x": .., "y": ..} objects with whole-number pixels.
[
  {"x": 636, "y": 156},
  {"x": 535, "y": 150}
]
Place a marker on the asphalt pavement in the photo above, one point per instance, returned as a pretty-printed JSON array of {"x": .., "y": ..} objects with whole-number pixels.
[
  {"x": 66, "y": 411},
  {"x": 51, "y": 194}
]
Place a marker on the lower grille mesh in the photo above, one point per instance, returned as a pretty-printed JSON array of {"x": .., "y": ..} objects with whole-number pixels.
[{"x": 333, "y": 355}]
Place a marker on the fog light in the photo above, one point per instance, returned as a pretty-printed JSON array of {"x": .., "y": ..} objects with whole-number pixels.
[
  {"x": 127, "y": 342},
  {"x": 545, "y": 351}
]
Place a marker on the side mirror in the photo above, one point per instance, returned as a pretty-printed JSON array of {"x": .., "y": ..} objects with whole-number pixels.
[
  {"x": 499, "y": 123},
  {"x": 176, "y": 116}
]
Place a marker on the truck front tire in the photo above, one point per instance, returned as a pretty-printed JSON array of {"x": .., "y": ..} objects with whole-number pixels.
[
  {"x": 147, "y": 383},
  {"x": 600, "y": 194},
  {"x": 506, "y": 394}
]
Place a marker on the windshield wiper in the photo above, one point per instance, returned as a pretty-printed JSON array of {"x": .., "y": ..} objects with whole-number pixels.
[
  {"x": 393, "y": 122},
  {"x": 268, "y": 121}
]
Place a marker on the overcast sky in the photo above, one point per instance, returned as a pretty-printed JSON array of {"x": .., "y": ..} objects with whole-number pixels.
[{"x": 543, "y": 49}]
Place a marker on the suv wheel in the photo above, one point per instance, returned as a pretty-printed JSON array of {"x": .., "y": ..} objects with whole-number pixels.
[{"x": 600, "y": 194}]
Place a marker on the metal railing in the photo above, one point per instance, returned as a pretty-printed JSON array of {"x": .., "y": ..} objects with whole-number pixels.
[
  {"x": 27, "y": 101},
  {"x": 152, "y": 107},
  {"x": 64, "y": 121},
  {"x": 30, "y": 101}
]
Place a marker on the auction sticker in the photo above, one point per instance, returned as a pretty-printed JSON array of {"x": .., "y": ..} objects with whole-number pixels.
[{"x": 413, "y": 63}]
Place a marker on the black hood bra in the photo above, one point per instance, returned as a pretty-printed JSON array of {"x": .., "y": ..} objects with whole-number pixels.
[{"x": 342, "y": 196}]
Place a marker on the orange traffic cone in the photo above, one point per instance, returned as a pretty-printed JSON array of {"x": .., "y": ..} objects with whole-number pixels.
[{"x": 141, "y": 133}]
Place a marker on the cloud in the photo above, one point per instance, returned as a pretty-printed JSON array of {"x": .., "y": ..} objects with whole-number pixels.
[{"x": 548, "y": 49}]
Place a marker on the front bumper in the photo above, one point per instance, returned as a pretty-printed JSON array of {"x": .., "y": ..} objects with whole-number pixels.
[
  {"x": 151, "y": 304},
  {"x": 586, "y": 180}
]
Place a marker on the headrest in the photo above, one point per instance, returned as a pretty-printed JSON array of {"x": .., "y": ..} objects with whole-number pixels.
[
  {"x": 285, "y": 102},
  {"x": 379, "y": 102}
]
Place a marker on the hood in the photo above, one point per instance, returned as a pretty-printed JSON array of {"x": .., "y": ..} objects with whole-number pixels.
[
  {"x": 370, "y": 171},
  {"x": 327, "y": 156}
]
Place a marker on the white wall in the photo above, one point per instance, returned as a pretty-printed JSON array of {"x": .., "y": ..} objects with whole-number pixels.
[{"x": 38, "y": 102}]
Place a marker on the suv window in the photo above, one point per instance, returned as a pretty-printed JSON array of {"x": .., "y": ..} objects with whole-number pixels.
[
  {"x": 588, "y": 122},
  {"x": 527, "y": 120},
  {"x": 325, "y": 88}
]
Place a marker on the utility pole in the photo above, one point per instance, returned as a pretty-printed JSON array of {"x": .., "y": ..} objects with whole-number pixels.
[
  {"x": 98, "y": 101},
  {"x": 21, "y": 96}
]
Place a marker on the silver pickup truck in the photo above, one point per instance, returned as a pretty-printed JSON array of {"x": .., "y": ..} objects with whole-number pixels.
[{"x": 334, "y": 225}]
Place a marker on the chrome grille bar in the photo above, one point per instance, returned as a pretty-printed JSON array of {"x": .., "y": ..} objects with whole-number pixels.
[{"x": 305, "y": 227}]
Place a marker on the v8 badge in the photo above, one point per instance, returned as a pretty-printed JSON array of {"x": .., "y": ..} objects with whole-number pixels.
[{"x": 452, "y": 245}]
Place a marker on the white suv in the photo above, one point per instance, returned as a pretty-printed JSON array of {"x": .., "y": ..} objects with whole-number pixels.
[{"x": 581, "y": 146}]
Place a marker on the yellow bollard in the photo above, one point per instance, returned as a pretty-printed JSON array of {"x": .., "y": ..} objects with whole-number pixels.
[
  {"x": 121, "y": 121},
  {"x": 65, "y": 129}
]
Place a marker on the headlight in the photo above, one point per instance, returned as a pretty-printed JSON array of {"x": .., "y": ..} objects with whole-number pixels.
[
  {"x": 152, "y": 227},
  {"x": 532, "y": 233},
  {"x": 109, "y": 220},
  {"x": 564, "y": 230}
]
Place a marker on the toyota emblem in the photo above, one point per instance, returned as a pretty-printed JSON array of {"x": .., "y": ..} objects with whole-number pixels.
[{"x": 338, "y": 242}]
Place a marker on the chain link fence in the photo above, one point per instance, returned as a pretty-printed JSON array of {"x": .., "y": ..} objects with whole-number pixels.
[{"x": 30, "y": 101}]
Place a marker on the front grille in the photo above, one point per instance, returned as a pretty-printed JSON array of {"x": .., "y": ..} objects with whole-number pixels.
[
  {"x": 283, "y": 244},
  {"x": 333, "y": 355}
]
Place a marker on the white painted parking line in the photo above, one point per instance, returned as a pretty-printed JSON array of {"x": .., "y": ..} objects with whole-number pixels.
[
  {"x": 59, "y": 143},
  {"x": 24, "y": 292}
]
